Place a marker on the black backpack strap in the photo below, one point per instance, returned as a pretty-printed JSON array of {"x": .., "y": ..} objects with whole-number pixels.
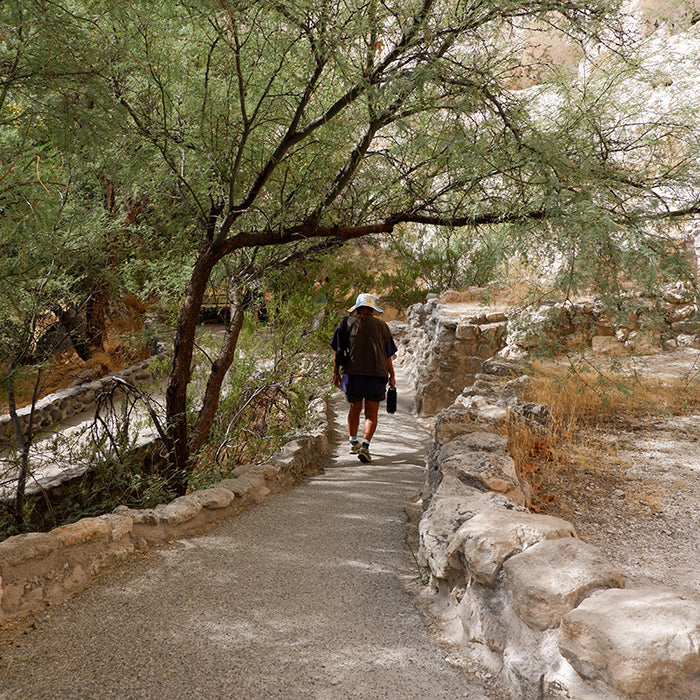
[{"x": 343, "y": 353}]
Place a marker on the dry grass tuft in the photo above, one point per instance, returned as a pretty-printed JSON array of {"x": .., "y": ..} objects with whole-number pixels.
[{"x": 560, "y": 458}]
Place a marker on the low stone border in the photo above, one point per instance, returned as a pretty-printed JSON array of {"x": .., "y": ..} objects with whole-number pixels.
[
  {"x": 545, "y": 610},
  {"x": 62, "y": 404},
  {"x": 45, "y": 568}
]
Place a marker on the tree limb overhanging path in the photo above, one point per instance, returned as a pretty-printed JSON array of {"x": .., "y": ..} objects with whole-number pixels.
[{"x": 298, "y": 597}]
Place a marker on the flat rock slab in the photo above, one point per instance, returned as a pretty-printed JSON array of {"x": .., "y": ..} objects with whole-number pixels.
[
  {"x": 179, "y": 511},
  {"x": 452, "y": 505},
  {"x": 120, "y": 526},
  {"x": 215, "y": 497},
  {"x": 488, "y": 539},
  {"x": 20, "y": 548},
  {"x": 482, "y": 463},
  {"x": 640, "y": 641},
  {"x": 552, "y": 577},
  {"x": 81, "y": 531},
  {"x": 479, "y": 440}
]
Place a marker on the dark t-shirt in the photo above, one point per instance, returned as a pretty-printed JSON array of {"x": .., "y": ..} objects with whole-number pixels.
[{"x": 371, "y": 343}]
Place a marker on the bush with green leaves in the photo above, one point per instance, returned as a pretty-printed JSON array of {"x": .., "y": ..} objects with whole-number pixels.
[{"x": 422, "y": 260}]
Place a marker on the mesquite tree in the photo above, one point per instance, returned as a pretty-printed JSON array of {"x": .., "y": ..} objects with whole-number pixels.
[{"x": 301, "y": 123}]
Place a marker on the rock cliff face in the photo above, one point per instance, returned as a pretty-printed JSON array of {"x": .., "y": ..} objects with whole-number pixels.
[{"x": 525, "y": 594}]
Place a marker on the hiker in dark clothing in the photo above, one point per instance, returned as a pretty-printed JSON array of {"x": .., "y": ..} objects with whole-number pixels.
[{"x": 366, "y": 369}]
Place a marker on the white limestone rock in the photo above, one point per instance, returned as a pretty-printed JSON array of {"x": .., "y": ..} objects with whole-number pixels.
[
  {"x": 483, "y": 613},
  {"x": 82, "y": 531},
  {"x": 179, "y": 511},
  {"x": 480, "y": 440},
  {"x": 607, "y": 345},
  {"x": 249, "y": 486},
  {"x": 18, "y": 549},
  {"x": 215, "y": 497},
  {"x": 642, "y": 641},
  {"x": 552, "y": 577},
  {"x": 120, "y": 526},
  {"x": 485, "y": 541},
  {"x": 491, "y": 469},
  {"x": 561, "y": 682},
  {"x": 455, "y": 421},
  {"x": 526, "y": 657},
  {"x": 452, "y": 504},
  {"x": 644, "y": 342},
  {"x": 466, "y": 331},
  {"x": 144, "y": 516}
]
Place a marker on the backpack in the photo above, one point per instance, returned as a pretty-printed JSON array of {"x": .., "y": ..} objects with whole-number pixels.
[{"x": 342, "y": 354}]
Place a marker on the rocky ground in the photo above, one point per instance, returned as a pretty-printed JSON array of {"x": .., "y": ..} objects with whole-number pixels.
[{"x": 641, "y": 502}]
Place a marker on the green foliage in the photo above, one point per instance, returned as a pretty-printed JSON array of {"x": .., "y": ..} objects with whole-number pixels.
[
  {"x": 424, "y": 261},
  {"x": 108, "y": 484},
  {"x": 111, "y": 483},
  {"x": 280, "y": 366},
  {"x": 143, "y": 144},
  {"x": 299, "y": 115}
]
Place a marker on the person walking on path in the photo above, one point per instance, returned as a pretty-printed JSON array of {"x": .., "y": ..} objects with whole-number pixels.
[{"x": 364, "y": 349}]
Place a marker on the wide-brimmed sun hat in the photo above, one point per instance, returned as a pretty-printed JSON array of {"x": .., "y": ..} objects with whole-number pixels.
[{"x": 366, "y": 300}]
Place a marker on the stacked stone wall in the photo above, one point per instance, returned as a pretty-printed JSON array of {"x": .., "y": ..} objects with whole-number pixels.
[
  {"x": 638, "y": 327},
  {"x": 62, "y": 404},
  {"x": 441, "y": 354},
  {"x": 519, "y": 590}
]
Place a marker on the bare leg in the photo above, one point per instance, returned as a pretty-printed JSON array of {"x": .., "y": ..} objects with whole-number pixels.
[
  {"x": 371, "y": 417},
  {"x": 354, "y": 418}
]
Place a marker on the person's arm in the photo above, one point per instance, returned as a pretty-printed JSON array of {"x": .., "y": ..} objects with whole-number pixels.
[
  {"x": 336, "y": 375},
  {"x": 391, "y": 350},
  {"x": 392, "y": 374},
  {"x": 335, "y": 344}
]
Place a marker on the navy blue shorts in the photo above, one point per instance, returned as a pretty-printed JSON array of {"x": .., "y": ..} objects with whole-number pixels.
[{"x": 358, "y": 387}]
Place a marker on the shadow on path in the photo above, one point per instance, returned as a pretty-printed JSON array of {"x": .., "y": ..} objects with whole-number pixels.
[{"x": 295, "y": 598}]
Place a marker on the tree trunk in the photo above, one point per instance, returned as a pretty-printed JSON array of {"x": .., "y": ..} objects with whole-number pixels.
[
  {"x": 181, "y": 370},
  {"x": 221, "y": 365},
  {"x": 24, "y": 443},
  {"x": 70, "y": 321},
  {"x": 95, "y": 321}
]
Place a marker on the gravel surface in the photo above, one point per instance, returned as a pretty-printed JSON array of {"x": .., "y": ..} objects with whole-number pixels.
[{"x": 299, "y": 597}]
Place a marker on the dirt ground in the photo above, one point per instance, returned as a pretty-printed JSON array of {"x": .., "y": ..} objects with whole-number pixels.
[{"x": 641, "y": 505}]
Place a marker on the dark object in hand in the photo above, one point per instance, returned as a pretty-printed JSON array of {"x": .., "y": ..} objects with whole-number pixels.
[{"x": 391, "y": 400}]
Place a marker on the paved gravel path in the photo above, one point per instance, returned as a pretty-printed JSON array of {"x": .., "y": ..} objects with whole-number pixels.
[{"x": 295, "y": 598}]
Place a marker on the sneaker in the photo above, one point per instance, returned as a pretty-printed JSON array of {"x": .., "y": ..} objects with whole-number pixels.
[
  {"x": 354, "y": 447},
  {"x": 363, "y": 455}
]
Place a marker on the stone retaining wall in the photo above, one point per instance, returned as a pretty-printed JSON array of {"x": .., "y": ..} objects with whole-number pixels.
[
  {"x": 585, "y": 325},
  {"x": 545, "y": 610},
  {"x": 68, "y": 402},
  {"x": 442, "y": 354},
  {"x": 44, "y": 568},
  {"x": 443, "y": 350}
]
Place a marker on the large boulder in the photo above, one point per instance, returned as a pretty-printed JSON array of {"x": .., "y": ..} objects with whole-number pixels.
[
  {"x": 480, "y": 459},
  {"x": 452, "y": 504},
  {"x": 643, "y": 641},
  {"x": 485, "y": 541},
  {"x": 179, "y": 511},
  {"x": 552, "y": 577}
]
